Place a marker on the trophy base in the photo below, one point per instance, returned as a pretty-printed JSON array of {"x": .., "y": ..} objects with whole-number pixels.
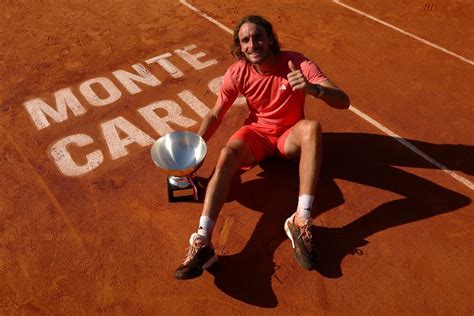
[{"x": 182, "y": 188}]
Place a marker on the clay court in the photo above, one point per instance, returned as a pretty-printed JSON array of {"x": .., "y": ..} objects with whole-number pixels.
[{"x": 86, "y": 226}]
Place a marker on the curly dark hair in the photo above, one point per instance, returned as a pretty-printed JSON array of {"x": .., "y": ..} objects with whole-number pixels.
[{"x": 256, "y": 19}]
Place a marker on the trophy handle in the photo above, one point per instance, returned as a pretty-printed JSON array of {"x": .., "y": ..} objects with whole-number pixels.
[{"x": 192, "y": 179}]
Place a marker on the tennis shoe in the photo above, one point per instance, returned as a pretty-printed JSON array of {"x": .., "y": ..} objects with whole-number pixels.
[
  {"x": 301, "y": 241},
  {"x": 200, "y": 256}
]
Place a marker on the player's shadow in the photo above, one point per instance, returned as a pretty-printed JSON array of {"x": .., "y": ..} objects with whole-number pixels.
[{"x": 367, "y": 159}]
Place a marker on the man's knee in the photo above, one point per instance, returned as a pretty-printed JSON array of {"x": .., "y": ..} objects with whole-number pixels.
[
  {"x": 229, "y": 158},
  {"x": 311, "y": 130}
]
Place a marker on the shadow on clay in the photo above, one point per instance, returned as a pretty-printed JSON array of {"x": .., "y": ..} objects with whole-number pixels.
[{"x": 366, "y": 159}]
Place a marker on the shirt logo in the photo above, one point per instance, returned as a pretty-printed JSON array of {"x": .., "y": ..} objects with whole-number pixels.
[{"x": 282, "y": 87}]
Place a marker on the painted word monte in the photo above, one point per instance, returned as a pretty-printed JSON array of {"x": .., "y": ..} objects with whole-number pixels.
[{"x": 118, "y": 132}]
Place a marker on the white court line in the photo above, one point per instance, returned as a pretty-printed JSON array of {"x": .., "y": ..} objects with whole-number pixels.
[
  {"x": 444, "y": 50},
  {"x": 412, "y": 147},
  {"x": 364, "y": 116},
  {"x": 204, "y": 15}
]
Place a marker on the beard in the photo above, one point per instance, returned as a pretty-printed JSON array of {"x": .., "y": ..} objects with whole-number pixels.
[{"x": 257, "y": 56}]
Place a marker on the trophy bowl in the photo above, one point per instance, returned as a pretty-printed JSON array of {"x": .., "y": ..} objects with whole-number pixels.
[{"x": 179, "y": 154}]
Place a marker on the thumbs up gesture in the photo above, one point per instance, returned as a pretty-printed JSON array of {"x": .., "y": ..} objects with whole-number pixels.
[{"x": 296, "y": 79}]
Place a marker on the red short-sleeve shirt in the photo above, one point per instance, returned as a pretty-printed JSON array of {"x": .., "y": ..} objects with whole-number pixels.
[{"x": 272, "y": 103}]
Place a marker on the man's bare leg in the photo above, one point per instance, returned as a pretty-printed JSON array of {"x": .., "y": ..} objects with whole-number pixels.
[
  {"x": 201, "y": 254},
  {"x": 232, "y": 157},
  {"x": 304, "y": 141}
]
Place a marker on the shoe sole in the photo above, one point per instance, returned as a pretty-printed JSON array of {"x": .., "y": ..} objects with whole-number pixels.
[
  {"x": 210, "y": 262},
  {"x": 288, "y": 233}
]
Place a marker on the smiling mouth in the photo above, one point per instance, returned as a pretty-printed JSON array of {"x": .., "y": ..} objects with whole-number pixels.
[{"x": 255, "y": 52}]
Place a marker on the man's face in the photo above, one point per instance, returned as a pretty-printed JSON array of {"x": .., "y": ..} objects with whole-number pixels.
[{"x": 254, "y": 42}]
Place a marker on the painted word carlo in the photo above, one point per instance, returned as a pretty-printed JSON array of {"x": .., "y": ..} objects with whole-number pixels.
[{"x": 43, "y": 115}]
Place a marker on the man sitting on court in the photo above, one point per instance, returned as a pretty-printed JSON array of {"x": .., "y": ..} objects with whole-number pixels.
[{"x": 274, "y": 84}]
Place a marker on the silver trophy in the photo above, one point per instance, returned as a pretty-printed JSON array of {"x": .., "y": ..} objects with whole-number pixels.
[{"x": 179, "y": 154}]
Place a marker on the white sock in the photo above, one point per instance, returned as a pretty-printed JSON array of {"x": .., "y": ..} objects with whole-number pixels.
[
  {"x": 305, "y": 205},
  {"x": 206, "y": 224}
]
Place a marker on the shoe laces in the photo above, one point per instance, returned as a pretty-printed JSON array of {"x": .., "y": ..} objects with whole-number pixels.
[
  {"x": 305, "y": 234},
  {"x": 193, "y": 249}
]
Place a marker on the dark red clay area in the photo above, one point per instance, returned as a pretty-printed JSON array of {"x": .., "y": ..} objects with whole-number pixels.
[{"x": 86, "y": 226}]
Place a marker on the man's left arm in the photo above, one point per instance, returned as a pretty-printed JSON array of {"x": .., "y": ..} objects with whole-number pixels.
[
  {"x": 329, "y": 93},
  {"x": 325, "y": 90}
]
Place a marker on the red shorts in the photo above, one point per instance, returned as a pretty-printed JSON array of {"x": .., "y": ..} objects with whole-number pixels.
[{"x": 263, "y": 142}]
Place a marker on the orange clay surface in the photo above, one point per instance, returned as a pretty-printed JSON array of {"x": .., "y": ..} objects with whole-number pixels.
[{"x": 395, "y": 234}]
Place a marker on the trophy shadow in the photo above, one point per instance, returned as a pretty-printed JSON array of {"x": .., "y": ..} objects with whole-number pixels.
[{"x": 366, "y": 159}]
